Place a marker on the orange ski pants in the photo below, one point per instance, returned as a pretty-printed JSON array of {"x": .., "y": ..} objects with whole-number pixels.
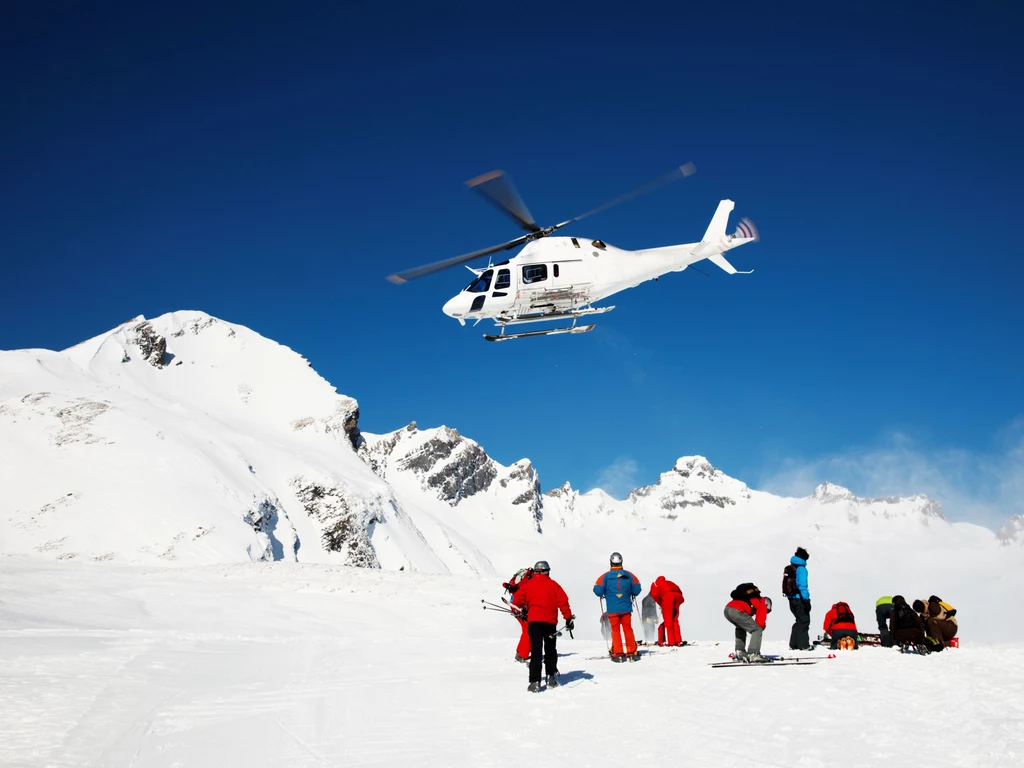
[
  {"x": 624, "y": 620},
  {"x": 523, "y": 651},
  {"x": 670, "y": 613}
]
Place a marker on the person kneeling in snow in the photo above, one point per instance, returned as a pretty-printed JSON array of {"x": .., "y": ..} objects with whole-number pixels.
[
  {"x": 939, "y": 620},
  {"x": 905, "y": 625},
  {"x": 841, "y": 627},
  {"x": 669, "y": 598},
  {"x": 748, "y": 612},
  {"x": 542, "y": 598}
]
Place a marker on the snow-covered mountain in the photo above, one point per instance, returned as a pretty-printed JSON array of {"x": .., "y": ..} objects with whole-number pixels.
[{"x": 186, "y": 439}]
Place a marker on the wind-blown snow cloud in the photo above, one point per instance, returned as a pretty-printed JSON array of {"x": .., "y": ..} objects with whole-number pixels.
[
  {"x": 619, "y": 477},
  {"x": 979, "y": 487}
]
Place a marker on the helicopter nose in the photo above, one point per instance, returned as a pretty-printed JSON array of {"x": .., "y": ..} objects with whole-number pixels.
[{"x": 456, "y": 307}]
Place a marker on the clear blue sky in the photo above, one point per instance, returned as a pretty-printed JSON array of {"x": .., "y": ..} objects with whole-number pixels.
[{"x": 271, "y": 164}]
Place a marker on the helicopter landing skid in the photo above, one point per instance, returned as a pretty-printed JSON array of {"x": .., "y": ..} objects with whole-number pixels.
[
  {"x": 540, "y": 317},
  {"x": 549, "y": 332}
]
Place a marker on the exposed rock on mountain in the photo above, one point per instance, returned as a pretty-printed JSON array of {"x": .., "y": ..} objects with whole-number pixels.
[
  {"x": 346, "y": 519},
  {"x": 152, "y": 346}
]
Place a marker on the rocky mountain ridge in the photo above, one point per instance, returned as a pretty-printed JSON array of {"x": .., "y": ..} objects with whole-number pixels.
[{"x": 194, "y": 439}]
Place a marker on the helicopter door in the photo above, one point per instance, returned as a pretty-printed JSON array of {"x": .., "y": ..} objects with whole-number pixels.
[
  {"x": 503, "y": 294},
  {"x": 571, "y": 272}
]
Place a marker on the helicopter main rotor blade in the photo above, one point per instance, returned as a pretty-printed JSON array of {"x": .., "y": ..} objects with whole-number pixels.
[
  {"x": 678, "y": 173},
  {"x": 412, "y": 274},
  {"x": 497, "y": 188}
]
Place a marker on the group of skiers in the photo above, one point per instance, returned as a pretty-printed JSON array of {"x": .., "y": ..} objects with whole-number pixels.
[
  {"x": 926, "y": 625},
  {"x": 537, "y": 600}
]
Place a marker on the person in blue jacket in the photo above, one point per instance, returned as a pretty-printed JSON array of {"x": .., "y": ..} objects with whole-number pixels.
[
  {"x": 800, "y": 604},
  {"x": 618, "y": 587}
]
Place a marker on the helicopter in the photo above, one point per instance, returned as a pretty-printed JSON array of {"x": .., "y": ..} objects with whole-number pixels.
[{"x": 560, "y": 278}]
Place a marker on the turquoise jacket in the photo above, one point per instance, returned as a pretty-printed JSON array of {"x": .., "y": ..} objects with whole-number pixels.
[{"x": 801, "y": 576}]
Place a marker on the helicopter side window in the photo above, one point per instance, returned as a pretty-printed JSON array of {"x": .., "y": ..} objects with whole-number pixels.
[
  {"x": 482, "y": 284},
  {"x": 535, "y": 273},
  {"x": 504, "y": 280}
]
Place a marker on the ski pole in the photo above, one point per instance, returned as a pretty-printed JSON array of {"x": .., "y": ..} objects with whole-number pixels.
[
  {"x": 496, "y": 610},
  {"x": 607, "y": 636},
  {"x": 495, "y": 605}
]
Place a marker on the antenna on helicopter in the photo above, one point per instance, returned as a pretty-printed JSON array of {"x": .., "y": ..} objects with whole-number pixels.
[{"x": 497, "y": 188}]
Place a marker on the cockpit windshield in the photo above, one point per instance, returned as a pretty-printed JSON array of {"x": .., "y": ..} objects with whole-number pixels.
[{"x": 482, "y": 284}]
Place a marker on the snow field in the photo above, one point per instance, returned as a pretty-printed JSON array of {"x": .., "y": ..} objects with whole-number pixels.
[{"x": 270, "y": 664}]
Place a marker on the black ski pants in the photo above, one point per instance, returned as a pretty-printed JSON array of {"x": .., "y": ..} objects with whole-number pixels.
[
  {"x": 882, "y": 614},
  {"x": 542, "y": 646},
  {"x": 799, "y": 638}
]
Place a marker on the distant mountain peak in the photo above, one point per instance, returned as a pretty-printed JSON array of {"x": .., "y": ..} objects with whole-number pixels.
[{"x": 830, "y": 493}]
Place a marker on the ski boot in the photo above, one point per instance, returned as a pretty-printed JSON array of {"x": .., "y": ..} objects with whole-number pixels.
[
  {"x": 534, "y": 687},
  {"x": 635, "y": 656},
  {"x": 618, "y": 658},
  {"x": 757, "y": 658},
  {"x": 553, "y": 681},
  {"x": 739, "y": 656}
]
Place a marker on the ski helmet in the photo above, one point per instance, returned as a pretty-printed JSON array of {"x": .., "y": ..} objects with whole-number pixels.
[
  {"x": 541, "y": 566},
  {"x": 616, "y": 558}
]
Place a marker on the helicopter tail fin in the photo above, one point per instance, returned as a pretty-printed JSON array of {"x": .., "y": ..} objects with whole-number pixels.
[
  {"x": 716, "y": 229},
  {"x": 716, "y": 242}
]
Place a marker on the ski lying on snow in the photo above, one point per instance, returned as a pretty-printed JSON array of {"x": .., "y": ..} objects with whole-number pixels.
[{"x": 772, "y": 663}]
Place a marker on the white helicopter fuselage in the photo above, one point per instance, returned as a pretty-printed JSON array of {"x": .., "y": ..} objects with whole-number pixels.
[{"x": 562, "y": 276}]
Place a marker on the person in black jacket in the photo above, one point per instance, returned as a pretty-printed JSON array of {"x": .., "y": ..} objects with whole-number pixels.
[{"x": 904, "y": 623}]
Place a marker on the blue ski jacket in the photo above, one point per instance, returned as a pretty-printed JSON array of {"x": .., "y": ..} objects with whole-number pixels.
[
  {"x": 618, "y": 588},
  {"x": 801, "y": 576}
]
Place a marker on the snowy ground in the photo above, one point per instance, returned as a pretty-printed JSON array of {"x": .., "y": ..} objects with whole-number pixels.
[{"x": 271, "y": 664}]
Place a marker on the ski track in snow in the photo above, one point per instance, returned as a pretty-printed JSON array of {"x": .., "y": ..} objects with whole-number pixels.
[{"x": 306, "y": 665}]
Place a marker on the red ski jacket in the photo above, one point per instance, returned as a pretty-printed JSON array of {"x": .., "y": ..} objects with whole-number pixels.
[
  {"x": 543, "y": 598},
  {"x": 662, "y": 587},
  {"x": 756, "y": 608},
  {"x": 831, "y": 623}
]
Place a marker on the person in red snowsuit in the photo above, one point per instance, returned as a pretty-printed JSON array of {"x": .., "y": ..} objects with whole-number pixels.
[
  {"x": 840, "y": 623},
  {"x": 512, "y": 587},
  {"x": 543, "y": 599},
  {"x": 669, "y": 598}
]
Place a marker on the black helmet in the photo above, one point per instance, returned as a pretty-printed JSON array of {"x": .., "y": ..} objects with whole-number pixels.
[
  {"x": 541, "y": 566},
  {"x": 615, "y": 559}
]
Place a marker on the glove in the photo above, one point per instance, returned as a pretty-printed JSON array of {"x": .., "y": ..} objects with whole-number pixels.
[{"x": 570, "y": 623}]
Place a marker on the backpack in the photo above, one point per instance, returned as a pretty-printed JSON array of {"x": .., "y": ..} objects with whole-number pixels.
[
  {"x": 843, "y": 614},
  {"x": 789, "y": 586},
  {"x": 746, "y": 592},
  {"x": 517, "y": 580}
]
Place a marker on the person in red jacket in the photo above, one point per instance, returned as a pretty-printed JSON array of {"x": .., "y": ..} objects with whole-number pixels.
[
  {"x": 841, "y": 627},
  {"x": 512, "y": 587},
  {"x": 748, "y": 612},
  {"x": 669, "y": 598},
  {"x": 543, "y": 599}
]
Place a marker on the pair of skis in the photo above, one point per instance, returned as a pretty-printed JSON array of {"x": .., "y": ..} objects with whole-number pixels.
[{"x": 774, "y": 660}]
